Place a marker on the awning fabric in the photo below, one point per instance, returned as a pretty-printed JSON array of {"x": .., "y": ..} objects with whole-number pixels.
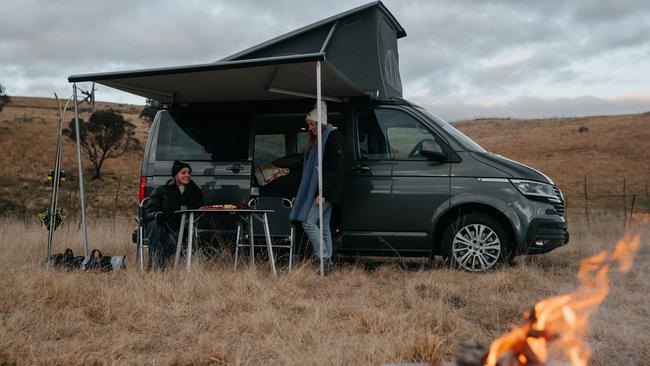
[{"x": 242, "y": 80}]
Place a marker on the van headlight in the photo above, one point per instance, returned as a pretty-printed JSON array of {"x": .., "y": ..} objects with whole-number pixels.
[{"x": 536, "y": 189}]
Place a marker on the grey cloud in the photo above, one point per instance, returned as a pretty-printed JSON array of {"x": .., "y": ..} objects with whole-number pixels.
[
  {"x": 598, "y": 12},
  {"x": 448, "y": 46},
  {"x": 42, "y": 42},
  {"x": 531, "y": 107},
  {"x": 537, "y": 67},
  {"x": 470, "y": 30}
]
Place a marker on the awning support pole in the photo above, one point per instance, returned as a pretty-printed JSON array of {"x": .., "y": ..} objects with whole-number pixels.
[
  {"x": 320, "y": 168},
  {"x": 81, "y": 172}
]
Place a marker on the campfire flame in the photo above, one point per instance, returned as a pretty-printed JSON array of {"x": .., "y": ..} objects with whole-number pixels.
[{"x": 564, "y": 318}]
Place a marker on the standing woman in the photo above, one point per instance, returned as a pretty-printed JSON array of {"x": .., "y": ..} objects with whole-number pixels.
[
  {"x": 179, "y": 192},
  {"x": 305, "y": 208}
]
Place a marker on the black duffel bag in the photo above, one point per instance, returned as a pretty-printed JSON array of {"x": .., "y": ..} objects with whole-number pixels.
[
  {"x": 104, "y": 263},
  {"x": 67, "y": 261}
]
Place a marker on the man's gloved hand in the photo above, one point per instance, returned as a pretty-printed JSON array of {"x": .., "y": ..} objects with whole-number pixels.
[{"x": 160, "y": 217}]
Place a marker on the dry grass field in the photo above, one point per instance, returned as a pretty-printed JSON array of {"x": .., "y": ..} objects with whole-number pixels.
[
  {"x": 359, "y": 315},
  {"x": 364, "y": 313}
]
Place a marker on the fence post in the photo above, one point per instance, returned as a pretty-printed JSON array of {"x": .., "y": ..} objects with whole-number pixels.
[
  {"x": 586, "y": 201},
  {"x": 624, "y": 204}
]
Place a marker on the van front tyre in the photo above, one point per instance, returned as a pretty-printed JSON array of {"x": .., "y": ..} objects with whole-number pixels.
[{"x": 475, "y": 242}]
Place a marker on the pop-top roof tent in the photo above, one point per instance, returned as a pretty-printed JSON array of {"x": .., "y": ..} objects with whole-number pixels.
[
  {"x": 352, "y": 54},
  {"x": 357, "y": 50}
]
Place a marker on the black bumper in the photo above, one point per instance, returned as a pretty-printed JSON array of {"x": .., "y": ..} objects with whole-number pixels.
[{"x": 545, "y": 235}]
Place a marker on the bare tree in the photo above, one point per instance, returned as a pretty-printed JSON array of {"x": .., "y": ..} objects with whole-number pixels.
[{"x": 106, "y": 135}]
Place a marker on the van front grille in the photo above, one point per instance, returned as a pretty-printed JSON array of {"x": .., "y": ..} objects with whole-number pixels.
[{"x": 559, "y": 206}]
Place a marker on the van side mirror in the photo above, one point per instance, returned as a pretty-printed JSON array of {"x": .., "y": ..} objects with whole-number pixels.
[{"x": 431, "y": 149}]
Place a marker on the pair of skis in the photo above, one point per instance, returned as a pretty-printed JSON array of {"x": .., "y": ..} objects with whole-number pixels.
[{"x": 53, "y": 219}]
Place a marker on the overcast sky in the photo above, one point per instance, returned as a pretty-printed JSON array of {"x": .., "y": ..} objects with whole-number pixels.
[{"x": 461, "y": 59}]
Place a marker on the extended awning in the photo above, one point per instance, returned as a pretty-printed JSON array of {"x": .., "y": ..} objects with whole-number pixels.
[
  {"x": 361, "y": 44},
  {"x": 271, "y": 78}
]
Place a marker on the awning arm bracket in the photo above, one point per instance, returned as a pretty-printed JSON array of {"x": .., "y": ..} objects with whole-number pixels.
[
  {"x": 275, "y": 73},
  {"x": 329, "y": 36},
  {"x": 169, "y": 96},
  {"x": 306, "y": 95}
]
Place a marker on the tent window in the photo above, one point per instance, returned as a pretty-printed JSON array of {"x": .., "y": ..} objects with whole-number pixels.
[{"x": 203, "y": 136}]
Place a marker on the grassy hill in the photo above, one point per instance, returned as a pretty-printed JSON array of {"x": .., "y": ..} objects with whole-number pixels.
[
  {"x": 605, "y": 150},
  {"x": 28, "y": 128},
  {"x": 612, "y": 153}
]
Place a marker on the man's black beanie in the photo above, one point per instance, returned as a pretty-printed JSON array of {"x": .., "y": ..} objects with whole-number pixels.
[{"x": 178, "y": 165}]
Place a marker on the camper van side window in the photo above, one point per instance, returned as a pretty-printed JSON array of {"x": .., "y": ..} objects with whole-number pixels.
[
  {"x": 301, "y": 141},
  {"x": 371, "y": 141},
  {"x": 388, "y": 134},
  {"x": 405, "y": 134},
  {"x": 269, "y": 148},
  {"x": 203, "y": 136},
  {"x": 174, "y": 143}
]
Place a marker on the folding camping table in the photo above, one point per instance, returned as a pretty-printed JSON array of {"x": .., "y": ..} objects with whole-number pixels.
[{"x": 247, "y": 215}]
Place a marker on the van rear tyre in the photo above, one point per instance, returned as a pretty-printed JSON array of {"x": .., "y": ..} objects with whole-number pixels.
[{"x": 476, "y": 242}]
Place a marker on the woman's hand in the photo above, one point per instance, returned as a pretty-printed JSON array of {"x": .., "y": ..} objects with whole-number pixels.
[{"x": 319, "y": 200}]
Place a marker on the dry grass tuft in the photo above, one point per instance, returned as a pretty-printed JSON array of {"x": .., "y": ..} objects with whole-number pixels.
[{"x": 356, "y": 316}]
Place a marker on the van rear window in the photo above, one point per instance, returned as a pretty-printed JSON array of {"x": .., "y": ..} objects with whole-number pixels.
[{"x": 203, "y": 136}]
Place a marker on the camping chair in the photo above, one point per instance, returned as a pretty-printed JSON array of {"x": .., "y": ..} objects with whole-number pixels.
[
  {"x": 280, "y": 227},
  {"x": 142, "y": 240}
]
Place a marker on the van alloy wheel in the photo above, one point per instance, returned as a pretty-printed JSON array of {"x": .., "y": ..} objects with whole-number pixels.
[
  {"x": 476, "y": 248},
  {"x": 476, "y": 242}
]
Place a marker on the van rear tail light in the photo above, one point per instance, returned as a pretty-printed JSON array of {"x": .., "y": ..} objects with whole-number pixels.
[{"x": 143, "y": 187}]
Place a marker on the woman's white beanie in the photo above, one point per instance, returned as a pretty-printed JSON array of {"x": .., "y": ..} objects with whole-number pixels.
[{"x": 313, "y": 115}]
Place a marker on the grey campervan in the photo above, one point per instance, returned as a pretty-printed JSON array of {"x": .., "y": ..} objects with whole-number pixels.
[{"x": 413, "y": 184}]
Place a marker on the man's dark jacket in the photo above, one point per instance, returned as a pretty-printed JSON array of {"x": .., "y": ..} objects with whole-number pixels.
[
  {"x": 168, "y": 198},
  {"x": 333, "y": 167}
]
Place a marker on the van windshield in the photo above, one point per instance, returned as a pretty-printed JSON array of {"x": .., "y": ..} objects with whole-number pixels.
[
  {"x": 203, "y": 135},
  {"x": 467, "y": 143}
]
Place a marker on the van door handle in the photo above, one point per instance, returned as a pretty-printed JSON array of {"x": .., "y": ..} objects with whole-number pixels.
[
  {"x": 235, "y": 168},
  {"x": 361, "y": 168}
]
